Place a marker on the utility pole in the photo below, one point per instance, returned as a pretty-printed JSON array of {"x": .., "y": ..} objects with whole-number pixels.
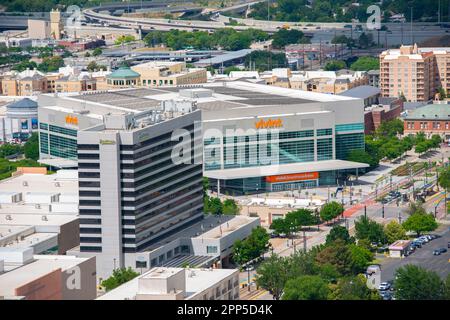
[
  {"x": 382, "y": 211},
  {"x": 304, "y": 241},
  {"x": 412, "y": 37}
]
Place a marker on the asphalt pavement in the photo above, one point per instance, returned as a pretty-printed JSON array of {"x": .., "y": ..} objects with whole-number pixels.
[{"x": 422, "y": 257}]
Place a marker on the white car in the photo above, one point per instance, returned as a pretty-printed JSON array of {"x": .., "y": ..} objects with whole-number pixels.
[{"x": 384, "y": 286}]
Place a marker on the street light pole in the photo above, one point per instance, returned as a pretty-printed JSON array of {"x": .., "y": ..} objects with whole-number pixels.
[{"x": 248, "y": 278}]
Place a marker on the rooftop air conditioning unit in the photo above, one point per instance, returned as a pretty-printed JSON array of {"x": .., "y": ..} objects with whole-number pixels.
[
  {"x": 44, "y": 218},
  {"x": 37, "y": 206},
  {"x": 8, "y": 217},
  {"x": 57, "y": 184},
  {"x": 25, "y": 184}
]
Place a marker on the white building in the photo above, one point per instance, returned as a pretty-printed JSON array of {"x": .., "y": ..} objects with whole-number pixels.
[
  {"x": 39, "y": 211},
  {"x": 179, "y": 284}
]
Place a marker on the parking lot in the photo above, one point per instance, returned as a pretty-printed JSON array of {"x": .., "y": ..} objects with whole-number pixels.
[{"x": 422, "y": 257}]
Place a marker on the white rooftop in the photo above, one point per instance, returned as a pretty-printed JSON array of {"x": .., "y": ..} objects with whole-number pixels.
[
  {"x": 42, "y": 265},
  {"x": 327, "y": 165},
  {"x": 197, "y": 280},
  {"x": 227, "y": 227}
]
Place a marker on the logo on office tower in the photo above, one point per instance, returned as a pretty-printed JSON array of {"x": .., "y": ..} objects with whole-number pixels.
[
  {"x": 270, "y": 123},
  {"x": 72, "y": 120}
]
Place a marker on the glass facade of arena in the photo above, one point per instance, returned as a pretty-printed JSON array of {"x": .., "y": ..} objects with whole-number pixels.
[
  {"x": 282, "y": 148},
  {"x": 267, "y": 149},
  {"x": 58, "y": 141}
]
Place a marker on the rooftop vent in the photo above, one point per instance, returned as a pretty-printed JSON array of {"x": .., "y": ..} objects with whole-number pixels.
[{"x": 25, "y": 184}]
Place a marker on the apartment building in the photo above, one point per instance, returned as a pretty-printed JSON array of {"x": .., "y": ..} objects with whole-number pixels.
[
  {"x": 331, "y": 82},
  {"x": 32, "y": 82},
  {"x": 415, "y": 73}
]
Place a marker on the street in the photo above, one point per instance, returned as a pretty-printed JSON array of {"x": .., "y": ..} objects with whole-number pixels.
[{"x": 422, "y": 257}]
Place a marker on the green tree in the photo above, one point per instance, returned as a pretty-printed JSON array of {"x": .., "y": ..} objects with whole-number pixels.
[
  {"x": 359, "y": 155},
  {"x": 283, "y": 37},
  {"x": 337, "y": 254},
  {"x": 339, "y": 232},
  {"x": 230, "y": 207},
  {"x": 281, "y": 226},
  {"x": 251, "y": 248},
  {"x": 420, "y": 222},
  {"x": 97, "y": 52},
  {"x": 447, "y": 287},
  {"x": 413, "y": 282},
  {"x": 361, "y": 258},
  {"x": 265, "y": 60},
  {"x": 442, "y": 93},
  {"x": 444, "y": 178},
  {"x": 119, "y": 277},
  {"x": 352, "y": 288},
  {"x": 51, "y": 64},
  {"x": 335, "y": 65},
  {"x": 124, "y": 39},
  {"x": 394, "y": 231},
  {"x": 31, "y": 147},
  {"x": 306, "y": 288},
  {"x": 272, "y": 275},
  {"x": 369, "y": 229},
  {"x": 215, "y": 206},
  {"x": 331, "y": 210}
]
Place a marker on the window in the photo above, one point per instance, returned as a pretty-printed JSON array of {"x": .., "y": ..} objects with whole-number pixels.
[{"x": 211, "y": 249}]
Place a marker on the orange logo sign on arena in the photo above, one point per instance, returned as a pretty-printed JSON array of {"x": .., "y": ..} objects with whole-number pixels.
[
  {"x": 72, "y": 120},
  {"x": 261, "y": 124},
  {"x": 293, "y": 177}
]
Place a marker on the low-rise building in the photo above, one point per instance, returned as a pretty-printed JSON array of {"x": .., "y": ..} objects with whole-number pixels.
[
  {"x": 398, "y": 248},
  {"x": 430, "y": 119},
  {"x": 39, "y": 211},
  {"x": 328, "y": 81},
  {"x": 163, "y": 73},
  {"x": 387, "y": 109},
  {"x": 50, "y": 277},
  {"x": 179, "y": 284},
  {"x": 18, "y": 119}
]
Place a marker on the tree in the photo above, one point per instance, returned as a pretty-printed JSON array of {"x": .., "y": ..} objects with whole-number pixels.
[
  {"x": 215, "y": 206},
  {"x": 51, "y": 64},
  {"x": 301, "y": 218},
  {"x": 97, "y": 52},
  {"x": 444, "y": 179},
  {"x": 339, "y": 232},
  {"x": 420, "y": 222},
  {"x": 306, "y": 288},
  {"x": 337, "y": 254},
  {"x": 251, "y": 248},
  {"x": 447, "y": 287},
  {"x": 352, "y": 288},
  {"x": 335, "y": 65},
  {"x": 390, "y": 128},
  {"x": 124, "y": 39},
  {"x": 331, "y": 210},
  {"x": 370, "y": 230},
  {"x": 31, "y": 147},
  {"x": 442, "y": 93},
  {"x": 394, "y": 231},
  {"x": 365, "y": 64},
  {"x": 413, "y": 282},
  {"x": 283, "y": 37},
  {"x": 359, "y": 155},
  {"x": 93, "y": 66},
  {"x": 265, "y": 60},
  {"x": 281, "y": 226},
  {"x": 230, "y": 207},
  {"x": 87, "y": 54},
  {"x": 272, "y": 275},
  {"x": 361, "y": 258},
  {"x": 119, "y": 277}
]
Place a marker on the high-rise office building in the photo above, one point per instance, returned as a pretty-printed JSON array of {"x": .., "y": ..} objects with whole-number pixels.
[{"x": 132, "y": 192}]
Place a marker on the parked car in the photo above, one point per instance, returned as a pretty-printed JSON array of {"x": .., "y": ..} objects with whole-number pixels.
[
  {"x": 439, "y": 251},
  {"x": 386, "y": 295},
  {"x": 417, "y": 244},
  {"x": 384, "y": 286},
  {"x": 448, "y": 244}
]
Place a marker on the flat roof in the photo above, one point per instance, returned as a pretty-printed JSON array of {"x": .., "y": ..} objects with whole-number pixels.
[
  {"x": 224, "y": 57},
  {"x": 35, "y": 219},
  {"x": 249, "y": 172},
  {"x": 227, "y": 227},
  {"x": 197, "y": 280},
  {"x": 29, "y": 272}
]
